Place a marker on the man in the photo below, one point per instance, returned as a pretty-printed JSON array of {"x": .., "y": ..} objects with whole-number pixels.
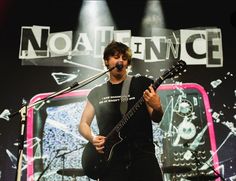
[{"x": 134, "y": 158}]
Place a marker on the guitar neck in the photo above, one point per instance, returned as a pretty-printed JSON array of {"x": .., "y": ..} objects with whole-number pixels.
[
  {"x": 180, "y": 66},
  {"x": 126, "y": 117},
  {"x": 132, "y": 111}
]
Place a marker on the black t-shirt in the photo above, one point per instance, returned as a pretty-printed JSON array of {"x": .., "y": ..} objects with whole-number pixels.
[{"x": 106, "y": 100}]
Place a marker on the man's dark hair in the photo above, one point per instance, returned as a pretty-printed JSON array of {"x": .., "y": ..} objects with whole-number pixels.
[{"x": 116, "y": 48}]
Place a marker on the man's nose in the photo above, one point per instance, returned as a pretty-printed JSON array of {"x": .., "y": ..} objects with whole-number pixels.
[{"x": 120, "y": 59}]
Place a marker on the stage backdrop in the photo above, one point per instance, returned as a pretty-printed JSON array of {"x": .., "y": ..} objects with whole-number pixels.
[{"x": 50, "y": 46}]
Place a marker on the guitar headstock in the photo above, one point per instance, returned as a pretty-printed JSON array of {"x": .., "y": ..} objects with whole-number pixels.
[{"x": 179, "y": 67}]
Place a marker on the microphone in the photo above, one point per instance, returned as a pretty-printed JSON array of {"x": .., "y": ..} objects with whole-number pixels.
[{"x": 119, "y": 66}]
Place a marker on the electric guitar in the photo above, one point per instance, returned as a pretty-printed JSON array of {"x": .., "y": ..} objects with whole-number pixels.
[{"x": 95, "y": 164}]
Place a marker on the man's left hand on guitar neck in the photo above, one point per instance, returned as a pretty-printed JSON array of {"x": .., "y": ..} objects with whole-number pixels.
[{"x": 153, "y": 103}]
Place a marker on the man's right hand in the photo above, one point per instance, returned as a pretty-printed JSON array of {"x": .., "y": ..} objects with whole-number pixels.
[{"x": 98, "y": 142}]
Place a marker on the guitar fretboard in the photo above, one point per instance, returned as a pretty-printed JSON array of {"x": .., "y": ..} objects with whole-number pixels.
[{"x": 126, "y": 117}]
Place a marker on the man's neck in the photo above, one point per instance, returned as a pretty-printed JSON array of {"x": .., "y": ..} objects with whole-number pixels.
[{"x": 117, "y": 79}]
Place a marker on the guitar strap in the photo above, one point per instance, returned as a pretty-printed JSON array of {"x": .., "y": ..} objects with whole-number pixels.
[{"x": 124, "y": 95}]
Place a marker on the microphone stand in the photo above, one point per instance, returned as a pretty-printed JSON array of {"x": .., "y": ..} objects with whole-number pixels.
[
  {"x": 47, "y": 167},
  {"x": 24, "y": 109},
  {"x": 63, "y": 159},
  {"x": 57, "y": 156},
  {"x": 21, "y": 141}
]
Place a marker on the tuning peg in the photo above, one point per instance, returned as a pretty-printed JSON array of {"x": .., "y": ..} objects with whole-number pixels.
[{"x": 182, "y": 64}]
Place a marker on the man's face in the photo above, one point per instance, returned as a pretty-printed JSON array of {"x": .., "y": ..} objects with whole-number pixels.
[{"x": 117, "y": 58}]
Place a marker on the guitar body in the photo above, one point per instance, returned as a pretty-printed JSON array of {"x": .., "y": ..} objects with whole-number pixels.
[{"x": 95, "y": 164}]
